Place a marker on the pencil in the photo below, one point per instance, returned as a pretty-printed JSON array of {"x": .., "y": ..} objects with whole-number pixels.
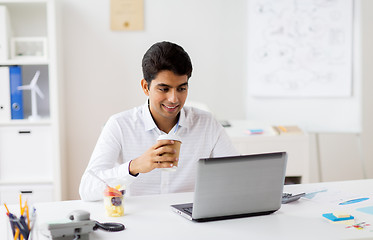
[
  {"x": 16, "y": 234},
  {"x": 20, "y": 202},
  {"x": 21, "y": 210},
  {"x": 7, "y": 210}
]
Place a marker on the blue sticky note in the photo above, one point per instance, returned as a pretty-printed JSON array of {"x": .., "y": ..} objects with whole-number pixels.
[
  {"x": 368, "y": 210},
  {"x": 255, "y": 131},
  {"x": 333, "y": 218}
]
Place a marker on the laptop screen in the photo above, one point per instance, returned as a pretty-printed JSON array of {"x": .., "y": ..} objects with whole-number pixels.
[{"x": 245, "y": 184}]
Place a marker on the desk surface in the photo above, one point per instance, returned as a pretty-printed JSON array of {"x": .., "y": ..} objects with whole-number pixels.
[{"x": 150, "y": 217}]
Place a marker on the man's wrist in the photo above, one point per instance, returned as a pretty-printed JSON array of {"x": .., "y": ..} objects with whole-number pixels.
[{"x": 129, "y": 170}]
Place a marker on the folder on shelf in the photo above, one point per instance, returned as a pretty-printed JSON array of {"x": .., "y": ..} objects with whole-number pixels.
[
  {"x": 4, "y": 95},
  {"x": 16, "y": 97},
  {"x": 285, "y": 130},
  {"x": 4, "y": 33}
]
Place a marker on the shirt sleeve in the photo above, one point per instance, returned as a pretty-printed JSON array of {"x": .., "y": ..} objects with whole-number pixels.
[
  {"x": 223, "y": 146},
  {"x": 104, "y": 163}
]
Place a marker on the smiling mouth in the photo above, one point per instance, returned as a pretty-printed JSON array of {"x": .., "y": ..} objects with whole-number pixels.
[{"x": 170, "y": 108}]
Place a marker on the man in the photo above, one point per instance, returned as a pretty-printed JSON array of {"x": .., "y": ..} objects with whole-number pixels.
[{"x": 127, "y": 151}]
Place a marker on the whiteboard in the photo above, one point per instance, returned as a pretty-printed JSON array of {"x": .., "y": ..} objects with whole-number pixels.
[{"x": 300, "y": 48}]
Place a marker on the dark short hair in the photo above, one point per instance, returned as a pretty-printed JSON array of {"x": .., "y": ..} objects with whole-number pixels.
[{"x": 165, "y": 56}]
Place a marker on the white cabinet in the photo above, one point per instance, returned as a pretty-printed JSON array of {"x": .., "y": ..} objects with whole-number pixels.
[
  {"x": 30, "y": 149},
  {"x": 339, "y": 156},
  {"x": 37, "y": 192},
  {"x": 26, "y": 153},
  {"x": 297, "y": 146}
]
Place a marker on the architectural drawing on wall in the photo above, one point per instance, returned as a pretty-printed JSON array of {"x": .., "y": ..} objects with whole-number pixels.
[{"x": 300, "y": 48}]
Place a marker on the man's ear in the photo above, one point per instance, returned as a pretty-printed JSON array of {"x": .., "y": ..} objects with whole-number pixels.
[{"x": 145, "y": 87}]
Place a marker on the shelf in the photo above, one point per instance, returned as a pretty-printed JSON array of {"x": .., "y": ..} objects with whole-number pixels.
[
  {"x": 31, "y": 149},
  {"x": 25, "y": 182},
  {"x": 22, "y": 1},
  {"x": 23, "y": 122},
  {"x": 12, "y": 62}
]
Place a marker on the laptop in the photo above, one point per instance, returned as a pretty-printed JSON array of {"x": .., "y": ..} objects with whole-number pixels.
[{"x": 237, "y": 186}]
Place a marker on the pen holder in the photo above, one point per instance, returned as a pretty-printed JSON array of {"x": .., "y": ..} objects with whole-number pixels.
[{"x": 19, "y": 227}]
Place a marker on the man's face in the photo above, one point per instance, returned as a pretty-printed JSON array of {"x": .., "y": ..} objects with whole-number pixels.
[{"x": 167, "y": 95}]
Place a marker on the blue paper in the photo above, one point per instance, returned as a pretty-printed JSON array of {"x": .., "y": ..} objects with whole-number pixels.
[
  {"x": 368, "y": 210},
  {"x": 357, "y": 200},
  {"x": 313, "y": 194}
]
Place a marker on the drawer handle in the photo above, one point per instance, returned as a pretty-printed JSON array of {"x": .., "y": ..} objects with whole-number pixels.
[
  {"x": 24, "y": 132},
  {"x": 26, "y": 191}
]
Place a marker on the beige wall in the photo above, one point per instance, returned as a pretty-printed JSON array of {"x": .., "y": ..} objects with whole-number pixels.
[{"x": 367, "y": 75}]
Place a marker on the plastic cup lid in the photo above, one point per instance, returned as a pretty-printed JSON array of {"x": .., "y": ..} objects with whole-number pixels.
[{"x": 169, "y": 137}]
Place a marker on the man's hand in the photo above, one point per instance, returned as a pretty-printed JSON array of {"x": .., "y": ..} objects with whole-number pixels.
[{"x": 154, "y": 157}]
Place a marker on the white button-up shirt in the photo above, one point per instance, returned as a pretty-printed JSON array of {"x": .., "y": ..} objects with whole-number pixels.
[{"x": 127, "y": 135}]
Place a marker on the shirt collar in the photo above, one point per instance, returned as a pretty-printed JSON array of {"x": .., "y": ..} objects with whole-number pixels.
[
  {"x": 182, "y": 120},
  {"x": 149, "y": 121},
  {"x": 147, "y": 117}
]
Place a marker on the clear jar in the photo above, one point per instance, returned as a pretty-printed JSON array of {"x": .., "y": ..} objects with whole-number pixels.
[{"x": 114, "y": 206}]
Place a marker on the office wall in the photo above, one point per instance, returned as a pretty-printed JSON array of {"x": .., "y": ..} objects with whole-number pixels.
[
  {"x": 325, "y": 113},
  {"x": 102, "y": 68},
  {"x": 367, "y": 86}
]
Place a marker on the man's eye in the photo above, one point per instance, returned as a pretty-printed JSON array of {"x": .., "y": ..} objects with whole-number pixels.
[
  {"x": 163, "y": 89},
  {"x": 182, "y": 89}
]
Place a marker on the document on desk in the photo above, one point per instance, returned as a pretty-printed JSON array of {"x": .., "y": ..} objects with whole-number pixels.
[
  {"x": 368, "y": 210},
  {"x": 335, "y": 197}
]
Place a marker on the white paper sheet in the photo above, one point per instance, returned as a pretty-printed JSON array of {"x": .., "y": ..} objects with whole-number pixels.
[{"x": 300, "y": 48}]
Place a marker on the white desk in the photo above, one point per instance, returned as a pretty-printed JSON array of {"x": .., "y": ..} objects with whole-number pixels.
[
  {"x": 297, "y": 146},
  {"x": 150, "y": 217}
]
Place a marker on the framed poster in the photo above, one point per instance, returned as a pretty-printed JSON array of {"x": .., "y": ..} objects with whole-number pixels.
[{"x": 126, "y": 15}]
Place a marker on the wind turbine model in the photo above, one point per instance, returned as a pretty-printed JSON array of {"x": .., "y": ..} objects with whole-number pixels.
[{"x": 34, "y": 90}]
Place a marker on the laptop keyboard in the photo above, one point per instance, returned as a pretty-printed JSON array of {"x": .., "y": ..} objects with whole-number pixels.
[
  {"x": 288, "y": 197},
  {"x": 188, "y": 210}
]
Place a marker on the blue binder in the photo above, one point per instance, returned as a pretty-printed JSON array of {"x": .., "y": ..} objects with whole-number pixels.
[{"x": 16, "y": 97}]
